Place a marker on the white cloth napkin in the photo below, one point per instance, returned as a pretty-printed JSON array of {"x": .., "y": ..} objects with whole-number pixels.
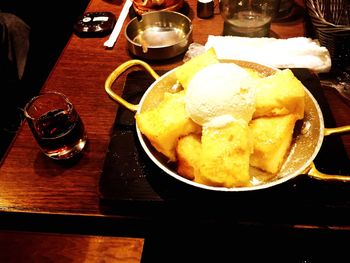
[{"x": 298, "y": 52}]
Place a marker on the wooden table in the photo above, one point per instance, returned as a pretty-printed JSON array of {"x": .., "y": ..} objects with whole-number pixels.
[
  {"x": 49, "y": 247},
  {"x": 40, "y": 195}
]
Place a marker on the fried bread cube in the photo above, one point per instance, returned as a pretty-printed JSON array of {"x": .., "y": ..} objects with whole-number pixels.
[
  {"x": 272, "y": 137},
  {"x": 186, "y": 71},
  {"x": 188, "y": 152},
  {"x": 224, "y": 159},
  {"x": 164, "y": 124},
  {"x": 279, "y": 94}
]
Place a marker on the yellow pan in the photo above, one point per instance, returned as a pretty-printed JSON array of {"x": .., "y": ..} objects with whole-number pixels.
[{"x": 307, "y": 139}]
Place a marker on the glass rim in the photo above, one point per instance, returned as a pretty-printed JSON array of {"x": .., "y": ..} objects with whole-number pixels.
[{"x": 33, "y": 99}]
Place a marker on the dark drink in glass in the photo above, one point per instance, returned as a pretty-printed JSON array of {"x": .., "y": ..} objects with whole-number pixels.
[{"x": 56, "y": 125}]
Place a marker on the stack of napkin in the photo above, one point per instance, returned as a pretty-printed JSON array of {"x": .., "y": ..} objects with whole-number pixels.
[{"x": 298, "y": 52}]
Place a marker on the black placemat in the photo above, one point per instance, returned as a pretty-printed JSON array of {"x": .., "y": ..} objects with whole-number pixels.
[{"x": 132, "y": 183}]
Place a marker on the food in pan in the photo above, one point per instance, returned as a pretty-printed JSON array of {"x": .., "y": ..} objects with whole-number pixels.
[
  {"x": 220, "y": 93},
  {"x": 279, "y": 94},
  {"x": 217, "y": 157},
  {"x": 187, "y": 71},
  {"x": 214, "y": 142},
  {"x": 188, "y": 151},
  {"x": 272, "y": 137},
  {"x": 224, "y": 160},
  {"x": 166, "y": 123}
]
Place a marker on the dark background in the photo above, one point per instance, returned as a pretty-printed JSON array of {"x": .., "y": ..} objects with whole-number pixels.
[{"x": 51, "y": 24}]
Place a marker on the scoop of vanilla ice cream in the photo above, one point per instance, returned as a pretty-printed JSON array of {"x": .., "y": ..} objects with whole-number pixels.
[{"x": 220, "y": 93}]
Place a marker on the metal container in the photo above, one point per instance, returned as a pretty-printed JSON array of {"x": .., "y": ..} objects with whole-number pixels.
[
  {"x": 159, "y": 35},
  {"x": 144, "y": 6},
  {"x": 307, "y": 139}
]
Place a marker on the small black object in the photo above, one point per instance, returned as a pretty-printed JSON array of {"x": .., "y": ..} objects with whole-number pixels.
[
  {"x": 95, "y": 24},
  {"x": 205, "y": 8}
]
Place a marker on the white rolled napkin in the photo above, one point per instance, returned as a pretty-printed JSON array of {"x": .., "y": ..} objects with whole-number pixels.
[{"x": 297, "y": 52}]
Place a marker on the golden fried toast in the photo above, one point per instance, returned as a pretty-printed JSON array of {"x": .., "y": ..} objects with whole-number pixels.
[
  {"x": 164, "y": 124},
  {"x": 279, "y": 94},
  {"x": 186, "y": 71},
  {"x": 223, "y": 156},
  {"x": 224, "y": 159},
  {"x": 188, "y": 152},
  {"x": 272, "y": 137}
]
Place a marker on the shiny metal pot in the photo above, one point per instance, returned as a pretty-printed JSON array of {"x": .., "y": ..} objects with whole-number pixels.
[
  {"x": 159, "y": 35},
  {"x": 307, "y": 141}
]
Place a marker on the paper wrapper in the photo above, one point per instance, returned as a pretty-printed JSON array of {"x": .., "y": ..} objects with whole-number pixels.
[{"x": 298, "y": 52}]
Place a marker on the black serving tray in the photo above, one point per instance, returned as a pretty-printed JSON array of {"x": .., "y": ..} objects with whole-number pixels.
[{"x": 131, "y": 184}]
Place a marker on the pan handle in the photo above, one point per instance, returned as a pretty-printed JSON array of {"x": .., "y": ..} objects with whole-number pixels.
[
  {"x": 314, "y": 173},
  {"x": 118, "y": 72},
  {"x": 337, "y": 130}
]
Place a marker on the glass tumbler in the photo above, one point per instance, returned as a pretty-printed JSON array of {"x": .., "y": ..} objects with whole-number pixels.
[
  {"x": 56, "y": 125},
  {"x": 248, "y": 18}
]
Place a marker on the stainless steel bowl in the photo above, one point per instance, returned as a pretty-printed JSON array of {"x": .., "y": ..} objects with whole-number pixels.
[{"x": 159, "y": 35}]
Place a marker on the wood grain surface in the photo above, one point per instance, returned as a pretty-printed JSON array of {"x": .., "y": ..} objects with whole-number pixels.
[
  {"x": 29, "y": 181},
  {"x": 33, "y": 187},
  {"x": 45, "y": 247}
]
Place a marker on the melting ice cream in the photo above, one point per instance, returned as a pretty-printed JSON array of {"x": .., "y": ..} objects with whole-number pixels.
[{"x": 220, "y": 93}]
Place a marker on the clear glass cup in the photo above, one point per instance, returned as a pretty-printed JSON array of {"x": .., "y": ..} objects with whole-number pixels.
[
  {"x": 56, "y": 125},
  {"x": 248, "y": 18}
]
